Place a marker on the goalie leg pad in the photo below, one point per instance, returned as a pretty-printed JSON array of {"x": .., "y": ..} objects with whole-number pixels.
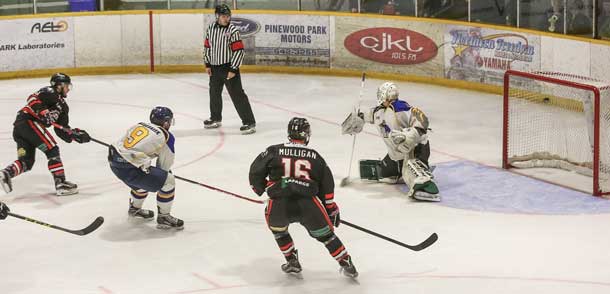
[
  {"x": 420, "y": 181},
  {"x": 370, "y": 169}
]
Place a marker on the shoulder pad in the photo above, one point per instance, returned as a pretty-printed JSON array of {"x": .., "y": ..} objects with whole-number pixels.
[{"x": 400, "y": 105}]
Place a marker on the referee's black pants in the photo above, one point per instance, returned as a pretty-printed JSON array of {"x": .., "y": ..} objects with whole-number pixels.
[{"x": 236, "y": 91}]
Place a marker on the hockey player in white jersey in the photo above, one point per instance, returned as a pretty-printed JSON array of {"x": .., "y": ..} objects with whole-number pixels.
[
  {"x": 131, "y": 159},
  {"x": 404, "y": 130}
]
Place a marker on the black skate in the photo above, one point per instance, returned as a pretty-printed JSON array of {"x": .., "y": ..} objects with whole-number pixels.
[
  {"x": 347, "y": 267},
  {"x": 292, "y": 265},
  {"x": 211, "y": 124},
  {"x": 166, "y": 222},
  {"x": 248, "y": 129},
  {"x": 5, "y": 181},
  {"x": 140, "y": 213},
  {"x": 65, "y": 188}
]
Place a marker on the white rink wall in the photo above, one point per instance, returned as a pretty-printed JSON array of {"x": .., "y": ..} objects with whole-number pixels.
[{"x": 397, "y": 45}]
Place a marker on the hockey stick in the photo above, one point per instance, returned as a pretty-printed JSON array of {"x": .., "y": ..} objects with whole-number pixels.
[
  {"x": 90, "y": 228},
  {"x": 345, "y": 181},
  {"x": 177, "y": 177},
  {"x": 421, "y": 246}
]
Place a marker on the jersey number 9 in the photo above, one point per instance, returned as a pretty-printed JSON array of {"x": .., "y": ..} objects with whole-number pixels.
[{"x": 135, "y": 136}]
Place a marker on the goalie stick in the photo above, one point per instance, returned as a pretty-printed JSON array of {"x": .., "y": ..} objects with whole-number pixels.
[
  {"x": 90, "y": 228},
  {"x": 345, "y": 181}
]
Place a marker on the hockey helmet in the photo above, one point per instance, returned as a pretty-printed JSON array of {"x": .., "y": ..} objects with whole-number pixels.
[
  {"x": 160, "y": 114},
  {"x": 60, "y": 78},
  {"x": 299, "y": 129},
  {"x": 388, "y": 91},
  {"x": 222, "y": 9}
]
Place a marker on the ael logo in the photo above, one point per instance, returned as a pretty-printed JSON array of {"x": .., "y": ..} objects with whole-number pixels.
[
  {"x": 246, "y": 26},
  {"x": 391, "y": 45},
  {"x": 49, "y": 27}
]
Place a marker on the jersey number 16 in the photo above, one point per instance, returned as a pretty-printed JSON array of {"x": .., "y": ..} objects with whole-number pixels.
[{"x": 296, "y": 168}]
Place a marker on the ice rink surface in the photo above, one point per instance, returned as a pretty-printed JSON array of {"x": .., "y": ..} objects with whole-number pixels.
[{"x": 499, "y": 232}]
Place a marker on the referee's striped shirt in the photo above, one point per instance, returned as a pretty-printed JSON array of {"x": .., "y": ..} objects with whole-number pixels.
[{"x": 223, "y": 45}]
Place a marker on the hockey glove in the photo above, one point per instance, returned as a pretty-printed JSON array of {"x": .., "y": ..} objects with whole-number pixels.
[
  {"x": 334, "y": 215},
  {"x": 353, "y": 124},
  {"x": 48, "y": 117},
  {"x": 80, "y": 136},
  {"x": 3, "y": 210}
]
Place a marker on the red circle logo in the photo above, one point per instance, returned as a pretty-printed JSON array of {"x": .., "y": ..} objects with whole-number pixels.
[{"x": 391, "y": 46}]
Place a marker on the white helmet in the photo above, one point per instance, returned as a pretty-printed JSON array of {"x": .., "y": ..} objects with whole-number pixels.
[{"x": 388, "y": 91}]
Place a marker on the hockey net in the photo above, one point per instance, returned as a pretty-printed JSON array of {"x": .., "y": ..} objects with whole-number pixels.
[{"x": 555, "y": 120}]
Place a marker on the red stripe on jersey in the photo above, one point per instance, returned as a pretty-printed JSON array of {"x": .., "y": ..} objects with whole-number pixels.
[
  {"x": 29, "y": 111},
  {"x": 268, "y": 212},
  {"x": 48, "y": 134},
  {"x": 42, "y": 137},
  {"x": 323, "y": 211},
  {"x": 206, "y": 43},
  {"x": 237, "y": 45},
  {"x": 329, "y": 196},
  {"x": 34, "y": 102}
]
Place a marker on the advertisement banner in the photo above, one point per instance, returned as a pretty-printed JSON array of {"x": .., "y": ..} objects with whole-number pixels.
[
  {"x": 36, "y": 43},
  {"x": 405, "y": 47},
  {"x": 483, "y": 55},
  {"x": 285, "y": 40}
]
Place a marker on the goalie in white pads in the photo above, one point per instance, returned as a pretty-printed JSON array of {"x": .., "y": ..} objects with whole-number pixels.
[{"x": 404, "y": 130}]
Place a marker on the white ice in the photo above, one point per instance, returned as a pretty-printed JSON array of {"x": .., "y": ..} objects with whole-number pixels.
[{"x": 226, "y": 247}]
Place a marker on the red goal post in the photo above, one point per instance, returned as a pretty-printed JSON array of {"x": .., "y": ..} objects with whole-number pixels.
[{"x": 557, "y": 120}]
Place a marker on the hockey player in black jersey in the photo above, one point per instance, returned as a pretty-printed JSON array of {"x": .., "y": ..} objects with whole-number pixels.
[
  {"x": 44, "y": 108},
  {"x": 301, "y": 189}
]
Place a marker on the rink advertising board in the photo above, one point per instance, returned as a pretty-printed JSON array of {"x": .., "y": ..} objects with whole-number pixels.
[
  {"x": 403, "y": 47},
  {"x": 483, "y": 55},
  {"x": 36, "y": 43},
  {"x": 391, "y": 45},
  {"x": 285, "y": 40}
]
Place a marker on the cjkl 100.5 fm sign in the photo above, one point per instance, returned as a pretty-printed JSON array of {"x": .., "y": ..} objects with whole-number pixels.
[{"x": 391, "y": 45}]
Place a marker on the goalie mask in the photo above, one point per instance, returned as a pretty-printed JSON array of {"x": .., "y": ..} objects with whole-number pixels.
[
  {"x": 299, "y": 130},
  {"x": 388, "y": 91}
]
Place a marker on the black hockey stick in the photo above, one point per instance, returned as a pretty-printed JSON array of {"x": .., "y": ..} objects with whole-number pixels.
[
  {"x": 198, "y": 183},
  {"x": 421, "y": 246},
  {"x": 90, "y": 228}
]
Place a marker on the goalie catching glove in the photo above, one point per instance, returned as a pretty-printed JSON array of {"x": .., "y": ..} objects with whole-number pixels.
[{"x": 353, "y": 124}]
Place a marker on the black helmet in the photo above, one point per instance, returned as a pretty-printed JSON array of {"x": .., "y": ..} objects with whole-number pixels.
[
  {"x": 222, "y": 9},
  {"x": 299, "y": 129},
  {"x": 160, "y": 115},
  {"x": 60, "y": 78}
]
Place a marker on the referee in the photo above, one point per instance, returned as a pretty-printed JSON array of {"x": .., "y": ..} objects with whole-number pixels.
[{"x": 223, "y": 54}]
